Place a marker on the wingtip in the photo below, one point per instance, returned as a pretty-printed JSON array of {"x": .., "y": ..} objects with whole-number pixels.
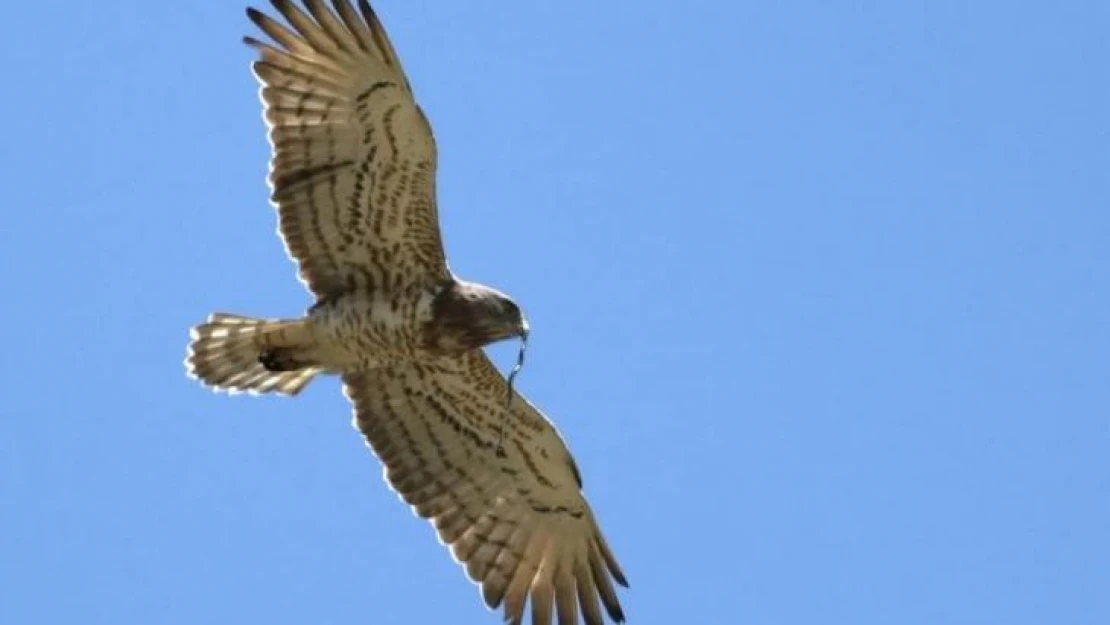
[
  {"x": 367, "y": 10},
  {"x": 257, "y": 17}
]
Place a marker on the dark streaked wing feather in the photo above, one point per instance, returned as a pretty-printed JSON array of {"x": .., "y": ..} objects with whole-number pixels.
[
  {"x": 354, "y": 161},
  {"x": 519, "y": 525}
]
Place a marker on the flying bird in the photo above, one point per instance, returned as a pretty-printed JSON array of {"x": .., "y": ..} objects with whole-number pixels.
[{"x": 352, "y": 176}]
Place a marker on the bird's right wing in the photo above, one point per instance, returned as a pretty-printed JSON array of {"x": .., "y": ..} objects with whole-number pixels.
[
  {"x": 354, "y": 161},
  {"x": 519, "y": 523}
]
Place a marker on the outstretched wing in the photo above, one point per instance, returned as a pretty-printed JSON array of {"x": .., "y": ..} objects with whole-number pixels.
[
  {"x": 353, "y": 165},
  {"x": 519, "y": 523}
]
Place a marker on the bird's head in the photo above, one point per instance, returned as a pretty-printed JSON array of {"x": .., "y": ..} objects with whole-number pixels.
[
  {"x": 510, "y": 321},
  {"x": 468, "y": 316}
]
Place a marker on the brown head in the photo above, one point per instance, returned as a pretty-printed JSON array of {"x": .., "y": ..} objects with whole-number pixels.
[{"x": 467, "y": 316}]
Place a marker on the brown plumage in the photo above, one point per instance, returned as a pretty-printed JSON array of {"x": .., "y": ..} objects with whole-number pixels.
[{"x": 353, "y": 180}]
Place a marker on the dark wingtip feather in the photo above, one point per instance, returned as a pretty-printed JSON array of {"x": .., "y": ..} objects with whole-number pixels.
[
  {"x": 367, "y": 11},
  {"x": 611, "y": 562}
]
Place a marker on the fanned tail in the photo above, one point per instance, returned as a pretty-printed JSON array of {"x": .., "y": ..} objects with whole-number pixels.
[{"x": 239, "y": 354}]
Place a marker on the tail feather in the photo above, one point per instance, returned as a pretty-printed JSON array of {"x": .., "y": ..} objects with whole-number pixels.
[{"x": 226, "y": 351}]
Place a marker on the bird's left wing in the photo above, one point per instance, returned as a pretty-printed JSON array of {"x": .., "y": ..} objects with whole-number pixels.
[{"x": 519, "y": 524}]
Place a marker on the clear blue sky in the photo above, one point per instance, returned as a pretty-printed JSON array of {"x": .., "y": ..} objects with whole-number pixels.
[{"x": 819, "y": 293}]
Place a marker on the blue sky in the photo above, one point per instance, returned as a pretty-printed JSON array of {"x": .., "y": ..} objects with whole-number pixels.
[{"x": 818, "y": 294}]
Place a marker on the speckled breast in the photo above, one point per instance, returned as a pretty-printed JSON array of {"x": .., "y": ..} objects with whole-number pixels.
[{"x": 369, "y": 330}]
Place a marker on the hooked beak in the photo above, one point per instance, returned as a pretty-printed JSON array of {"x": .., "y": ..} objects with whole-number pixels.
[{"x": 523, "y": 331}]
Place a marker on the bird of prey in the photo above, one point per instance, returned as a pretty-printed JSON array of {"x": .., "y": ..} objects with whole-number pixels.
[{"x": 352, "y": 177}]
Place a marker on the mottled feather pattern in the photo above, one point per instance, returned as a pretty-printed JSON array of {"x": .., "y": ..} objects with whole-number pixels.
[
  {"x": 353, "y": 165},
  {"x": 519, "y": 525}
]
